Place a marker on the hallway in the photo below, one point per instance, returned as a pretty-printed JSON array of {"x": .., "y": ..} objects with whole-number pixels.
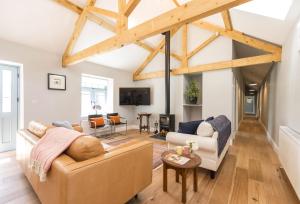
[{"x": 257, "y": 161}]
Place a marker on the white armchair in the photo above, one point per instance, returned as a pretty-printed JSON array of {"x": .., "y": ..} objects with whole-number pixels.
[{"x": 208, "y": 148}]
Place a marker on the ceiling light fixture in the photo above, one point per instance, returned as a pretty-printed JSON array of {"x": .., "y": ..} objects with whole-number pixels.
[
  {"x": 252, "y": 90},
  {"x": 253, "y": 84}
]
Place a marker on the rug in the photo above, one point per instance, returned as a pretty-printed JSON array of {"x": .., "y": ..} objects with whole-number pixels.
[
  {"x": 158, "y": 149},
  {"x": 115, "y": 140},
  {"x": 158, "y": 136}
]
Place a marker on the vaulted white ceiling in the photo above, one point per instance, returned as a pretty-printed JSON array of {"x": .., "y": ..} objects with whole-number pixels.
[{"x": 47, "y": 25}]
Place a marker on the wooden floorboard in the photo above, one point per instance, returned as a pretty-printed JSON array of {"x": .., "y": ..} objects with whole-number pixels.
[
  {"x": 250, "y": 173},
  {"x": 240, "y": 188}
]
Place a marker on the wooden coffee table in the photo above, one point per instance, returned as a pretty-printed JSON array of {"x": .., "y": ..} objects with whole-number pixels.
[{"x": 192, "y": 164}]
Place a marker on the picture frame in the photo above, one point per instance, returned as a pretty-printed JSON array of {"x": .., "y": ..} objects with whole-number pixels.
[{"x": 57, "y": 82}]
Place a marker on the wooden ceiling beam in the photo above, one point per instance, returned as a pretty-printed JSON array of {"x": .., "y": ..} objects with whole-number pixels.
[
  {"x": 92, "y": 17},
  {"x": 101, "y": 22},
  {"x": 105, "y": 24},
  {"x": 227, "y": 20},
  {"x": 78, "y": 28},
  {"x": 122, "y": 22},
  {"x": 186, "y": 13},
  {"x": 131, "y": 5},
  {"x": 240, "y": 37},
  {"x": 149, "y": 58},
  {"x": 104, "y": 12},
  {"x": 184, "y": 46},
  {"x": 176, "y": 3},
  {"x": 150, "y": 75},
  {"x": 153, "y": 54},
  {"x": 203, "y": 45},
  {"x": 70, "y": 5},
  {"x": 236, "y": 63},
  {"x": 151, "y": 49}
]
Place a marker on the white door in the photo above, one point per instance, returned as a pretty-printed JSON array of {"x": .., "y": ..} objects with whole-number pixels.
[{"x": 8, "y": 107}]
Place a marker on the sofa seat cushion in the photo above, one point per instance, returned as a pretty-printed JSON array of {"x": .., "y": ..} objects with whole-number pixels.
[
  {"x": 205, "y": 130},
  {"x": 84, "y": 148},
  {"x": 204, "y": 143},
  {"x": 189, "y": 127}
]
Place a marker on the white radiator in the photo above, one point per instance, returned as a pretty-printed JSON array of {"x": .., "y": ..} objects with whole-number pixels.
[{"x": 289, "y": 155}]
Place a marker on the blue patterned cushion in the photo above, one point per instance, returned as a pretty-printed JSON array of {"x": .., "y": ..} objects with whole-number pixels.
[{"x": 189, "y": 127}]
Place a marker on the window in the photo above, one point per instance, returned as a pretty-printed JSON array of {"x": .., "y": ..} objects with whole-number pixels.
[
  {"x": 277, "y": 9},
  {"x": 96, "y": 90}
]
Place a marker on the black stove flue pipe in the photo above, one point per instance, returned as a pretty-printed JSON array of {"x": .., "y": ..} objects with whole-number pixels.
[{"x": 167, "y": 70}]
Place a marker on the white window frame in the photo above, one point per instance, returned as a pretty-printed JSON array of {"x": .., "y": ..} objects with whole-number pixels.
[{"x": 108, "y": 107}]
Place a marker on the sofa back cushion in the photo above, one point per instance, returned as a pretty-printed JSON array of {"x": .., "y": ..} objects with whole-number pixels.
[
  {"x": 65, "y": 124},
  {"x": 84, "y": 148},
  {"x": 97, "y": 122},
  {"x": 205, "y": 129},
  {"x": 115, "y": 119},
  {"x": 37, "y": 128},
  {"x": 189, "y": 127}
]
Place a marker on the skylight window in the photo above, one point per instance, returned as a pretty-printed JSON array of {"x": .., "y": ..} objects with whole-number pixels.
[{"x": 277, "y": 9}]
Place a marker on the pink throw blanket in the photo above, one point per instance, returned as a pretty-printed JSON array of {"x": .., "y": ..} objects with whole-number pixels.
[{"x": 49, "y": 147}]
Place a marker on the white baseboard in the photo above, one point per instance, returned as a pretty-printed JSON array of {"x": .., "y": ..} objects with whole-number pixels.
[{"x": 270, "y": 139}]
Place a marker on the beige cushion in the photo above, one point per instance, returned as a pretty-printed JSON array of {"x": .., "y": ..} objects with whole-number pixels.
[
  {"x": 37, "y": 128},
  {"x": 205, "y": 129},
  {"x": 84, "y": 148}
]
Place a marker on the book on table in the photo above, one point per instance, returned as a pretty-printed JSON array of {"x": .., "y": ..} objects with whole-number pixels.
[{"x": 177, "y": 159}]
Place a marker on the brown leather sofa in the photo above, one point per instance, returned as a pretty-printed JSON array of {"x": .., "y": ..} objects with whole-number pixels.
[{"x": 112, "y": 178}]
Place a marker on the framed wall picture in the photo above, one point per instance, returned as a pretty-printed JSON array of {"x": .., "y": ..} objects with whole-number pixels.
[{"x": 56, "y": 82}]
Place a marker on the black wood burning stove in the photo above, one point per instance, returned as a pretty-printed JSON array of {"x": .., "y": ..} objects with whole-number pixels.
[{"x": 166, "y": 122}]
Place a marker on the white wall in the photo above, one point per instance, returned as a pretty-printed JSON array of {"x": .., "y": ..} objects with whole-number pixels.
[
  {"x": 217, "y": 85},
  {"x": 218, "y": 93},
  {"x": 158, "y": 98},
  {"x": 48, "y": 105},
  {"x": 281, "y": 90},
  {"x": 239, "y": 96}
]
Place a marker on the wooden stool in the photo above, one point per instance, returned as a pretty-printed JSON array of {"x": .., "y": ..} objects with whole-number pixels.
[{"x": 147, "y": 126}]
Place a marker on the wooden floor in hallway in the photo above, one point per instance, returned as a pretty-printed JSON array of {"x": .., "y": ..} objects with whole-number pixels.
[{"x": 250, "y": 173}]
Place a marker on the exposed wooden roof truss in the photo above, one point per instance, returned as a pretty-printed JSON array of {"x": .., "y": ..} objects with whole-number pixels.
[{"x": 180, "y": 17}]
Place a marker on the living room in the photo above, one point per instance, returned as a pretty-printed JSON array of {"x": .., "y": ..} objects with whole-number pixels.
[{"x": 179, "y": 87}]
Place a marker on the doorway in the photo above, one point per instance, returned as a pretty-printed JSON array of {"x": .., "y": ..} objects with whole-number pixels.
[
  {"x": 9, "y": 106},
  {"x": 250, "y": 103}
]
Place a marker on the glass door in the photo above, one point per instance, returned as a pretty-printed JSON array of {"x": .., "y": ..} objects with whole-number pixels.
[{"x": 8, "y": 107}]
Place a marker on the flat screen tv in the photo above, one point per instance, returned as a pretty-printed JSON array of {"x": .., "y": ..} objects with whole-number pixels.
[{"x": 134, "y": 96}]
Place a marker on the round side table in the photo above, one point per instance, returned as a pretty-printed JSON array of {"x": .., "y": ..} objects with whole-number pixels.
[{"x": 192, "y": 164}]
